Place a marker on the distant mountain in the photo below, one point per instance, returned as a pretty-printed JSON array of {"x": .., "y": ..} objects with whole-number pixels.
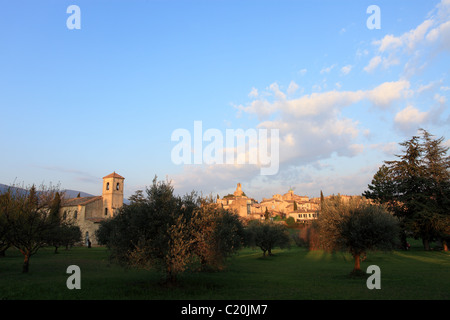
[
  {"x": 74, "y": 194},
  {"x": 68, "y": 193}
]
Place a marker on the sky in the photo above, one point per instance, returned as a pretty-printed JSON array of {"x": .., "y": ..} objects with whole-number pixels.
[{"x": 77, "y": 104}]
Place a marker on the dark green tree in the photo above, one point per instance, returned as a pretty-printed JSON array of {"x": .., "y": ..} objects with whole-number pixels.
[
  {"x": 29, "y": 218},
  {"x": 170, "y": 233},
  {"x": 357, "y": 227},
  {"x": 415, "y": 187},
  {"x": 4, "y": 226},
  {"x": 267, "y": 235}
]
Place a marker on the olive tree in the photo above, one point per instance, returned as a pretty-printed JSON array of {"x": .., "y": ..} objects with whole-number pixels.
[
  {"x": 29, "y": 216},
  {"x": 356, "y": 226},
  {"x": 267, "y": 235},
  {"x": 170, "y": 233}
]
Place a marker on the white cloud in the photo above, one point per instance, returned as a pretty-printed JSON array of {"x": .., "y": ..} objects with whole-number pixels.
[
  {"x": 276, "y": 90},
  {"x": 388, "y": 42},
  {"x": 318, "y": 103},
  {"x": 409, "y": 40},
  {"x": 428, "y": 87},
  {"x": 388, "y": 148},
  {"x": 440, "y": 99},
  {"x": 346, "y": 69},
  {"x": 416, "y": 47},
  {"x": 302, "y": 72},
  {"x": 327, "y": 69},
  {"x": 440, "y": 35},
  {"x": 410, "y": 118},
  {"x": 253, "y": 93},
  {"x": 292, "y": 88},
  {"x": 388, "y": 92},
  {"x": 373, "y": 64}
]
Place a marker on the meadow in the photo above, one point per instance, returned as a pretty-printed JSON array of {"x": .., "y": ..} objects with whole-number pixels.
[{"x": 291, "y": 274}]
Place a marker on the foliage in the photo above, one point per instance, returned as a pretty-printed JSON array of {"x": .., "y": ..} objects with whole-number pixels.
[
  {"x": 65, "y": 234},
  {"x": 290, "y": 221},
  {"x": 416, "y": 188},
  {"x": 267, "y": 235},
  {"x": 171, "y": 233},
  {"x": 29, "y": 217},
  {"x": 307, "y": 236},
  {"x": 356, "y": 226}
]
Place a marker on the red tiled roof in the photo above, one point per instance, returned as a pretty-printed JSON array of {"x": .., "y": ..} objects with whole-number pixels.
[{"x": 114, "y": 175}]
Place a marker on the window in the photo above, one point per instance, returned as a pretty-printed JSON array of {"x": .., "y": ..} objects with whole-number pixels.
[
  {"x": 64, "y": 215},
  {"x": 118, "y": 186},
  {"x": 106, "y": 211},
  {"x": 75, "y": 214},
  {"x": 107, "y": 186}
]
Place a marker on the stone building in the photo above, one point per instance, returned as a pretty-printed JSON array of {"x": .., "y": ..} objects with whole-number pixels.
[
  {"x": 301, "y": 208},
  {"x": 238, "y": 202},
  {"x": 88, "y": 212}
]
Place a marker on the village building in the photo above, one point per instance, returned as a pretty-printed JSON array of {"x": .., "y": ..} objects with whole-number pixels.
[
  {"x": 88, "y": 212},
  {"x": 238, "y": 202},
  {"x": 301, "y": 208}
]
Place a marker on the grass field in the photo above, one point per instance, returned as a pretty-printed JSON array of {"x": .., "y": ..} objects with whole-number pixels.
[{"x": 292, "y": 274}]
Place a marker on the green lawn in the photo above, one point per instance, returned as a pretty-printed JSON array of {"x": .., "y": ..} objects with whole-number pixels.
[{"x": 292, "y": 274}]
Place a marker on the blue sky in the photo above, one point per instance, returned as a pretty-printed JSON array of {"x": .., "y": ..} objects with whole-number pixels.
[{"x": 77, "y": 105}]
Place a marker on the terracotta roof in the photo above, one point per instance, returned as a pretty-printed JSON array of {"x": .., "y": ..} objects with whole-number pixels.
[
  {"x": 79, "y": 201},
  {"x": 114, "y": 175}
]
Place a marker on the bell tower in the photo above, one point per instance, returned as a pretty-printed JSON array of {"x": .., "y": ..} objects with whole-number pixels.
[{"x": 112, "y": 194}]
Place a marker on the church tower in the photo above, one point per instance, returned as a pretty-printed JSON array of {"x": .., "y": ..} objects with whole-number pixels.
[
  {"x": 112, "y": 194},
  {"x": 238, "y": 192}
]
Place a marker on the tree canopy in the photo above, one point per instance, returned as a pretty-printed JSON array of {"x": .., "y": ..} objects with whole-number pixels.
[
  {"x": 170, "y": 233},
  {"x": 416, "y": 188},
  {"x": 356, "y": 226}
]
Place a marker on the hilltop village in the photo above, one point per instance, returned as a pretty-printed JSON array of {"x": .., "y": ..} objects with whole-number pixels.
[
  {"x": 302, "y": 208},
  {"x": 88, "y": 212}
]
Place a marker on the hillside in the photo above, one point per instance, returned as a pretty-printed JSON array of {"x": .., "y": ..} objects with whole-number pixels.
[{"x": 69, "y": 193}]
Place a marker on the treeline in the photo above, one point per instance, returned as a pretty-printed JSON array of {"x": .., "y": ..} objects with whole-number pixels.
[
  {"x": 30, "y": 220},
  {"x": 173, "y": 234},
  {"x": 409, "y": 197}
]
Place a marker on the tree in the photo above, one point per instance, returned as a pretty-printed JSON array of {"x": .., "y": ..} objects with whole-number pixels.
[
  {"x": 66, "y": 234},
  {"x": 415, "y": 188},
  {"x": 356, "y": 226},
  {"x": 29, "y": 217},
  {"x": 218, "y": 234},
  {"x": 266, "y": 214},
  {"x": 137, "y": 197},
  {"x": 267, "y": 235},
  {"x": 170, "y": 233},
  {"x": 290, "y": 221},
  {"x": 4, "y": 226},
  {"x": 437, "y": 173}
]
